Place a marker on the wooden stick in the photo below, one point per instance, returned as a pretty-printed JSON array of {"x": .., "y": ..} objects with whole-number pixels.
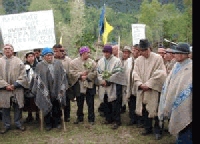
[
  {"x": 41, "y": 120},
  {"x": 97, "y": 47},
  {"x": 63, "y": 119},
  {"x": 118, "y": 46}
]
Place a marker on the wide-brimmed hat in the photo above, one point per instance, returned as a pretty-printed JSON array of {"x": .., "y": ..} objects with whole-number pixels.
[{"x": 182, "y": 48}]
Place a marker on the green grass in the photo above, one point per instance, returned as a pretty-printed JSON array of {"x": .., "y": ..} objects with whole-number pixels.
[{"x": 83, "y": 133}]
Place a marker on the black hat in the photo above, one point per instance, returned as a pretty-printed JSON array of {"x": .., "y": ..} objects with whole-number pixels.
[
  {"x": 107, "y": 48},
  {"x": 182, "y": 48},
  {"x": 144, "y": 44}
]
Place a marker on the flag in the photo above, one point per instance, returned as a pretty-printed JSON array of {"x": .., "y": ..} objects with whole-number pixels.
[
  {"x": 107, "y": 29},
  {"x": 101, "y": 21},
  {"x": 60, "y": 40}
]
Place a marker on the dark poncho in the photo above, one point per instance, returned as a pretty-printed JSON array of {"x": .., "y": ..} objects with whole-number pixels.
[{"x": 49, "y": 84}]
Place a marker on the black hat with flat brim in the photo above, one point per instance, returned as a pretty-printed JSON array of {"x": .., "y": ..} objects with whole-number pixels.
[{"x": 181, "y": 48}]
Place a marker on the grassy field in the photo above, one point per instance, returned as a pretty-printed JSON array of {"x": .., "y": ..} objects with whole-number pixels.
[{"x": 83, "y": 133}]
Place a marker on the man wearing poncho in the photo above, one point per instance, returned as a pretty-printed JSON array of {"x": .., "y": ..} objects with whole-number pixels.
[
  {"x": 49, "y": 87},
  {"x": 13, "y": 80},
  {"x": 126, "y": 53},
  {"x": 83, "y": 73},
  {"x": 176, "y": 96},
  {"x": 149, "y": 74},
  {"x": 170, "y": 60},
  {"x": 110, "y": 77},
  {"x": 59, "y": 54},
  {"x": 130, "y": 91}
]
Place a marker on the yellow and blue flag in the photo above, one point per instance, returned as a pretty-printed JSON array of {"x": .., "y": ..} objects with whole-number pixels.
[{"x": 104, "y": 27}]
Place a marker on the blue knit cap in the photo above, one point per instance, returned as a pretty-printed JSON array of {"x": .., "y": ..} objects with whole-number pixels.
[{"x": 46, "y": 50}]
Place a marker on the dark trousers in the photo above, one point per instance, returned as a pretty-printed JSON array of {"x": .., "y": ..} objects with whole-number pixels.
[
  {"x": 6, "y": 118},
  {"x": 112, "y": 110},
  {"x": 0, "y": 113},
  {"x": 90, "y": 103},
  {"x": 132, "y": 106},
  {"x": 67, "y": 108},
  {"x": 53, "y": 118},
  {"x": 148, "y": 122},
  {"x": 185, "y": 136}
]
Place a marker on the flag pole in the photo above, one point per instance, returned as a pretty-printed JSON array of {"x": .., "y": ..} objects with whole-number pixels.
[
  {"x": 99, "y": 35},
  {"x": 98, "y": 42},
  {"x": 118, "y": 45}
]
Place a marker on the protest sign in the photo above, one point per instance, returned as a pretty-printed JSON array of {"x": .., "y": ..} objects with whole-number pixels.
[
  {"x": 138, "y": 32},
  {"x": 29, "y": 30}
]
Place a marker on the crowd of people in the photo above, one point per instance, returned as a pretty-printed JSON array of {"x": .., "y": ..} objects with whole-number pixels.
[{"x": 155, "y": 87}]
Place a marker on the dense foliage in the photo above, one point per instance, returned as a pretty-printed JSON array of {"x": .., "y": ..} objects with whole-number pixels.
[{"x": 77, "y": 20}]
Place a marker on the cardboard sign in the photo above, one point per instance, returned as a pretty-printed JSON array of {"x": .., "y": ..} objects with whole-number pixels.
[
  {"x": 138, "y": 32},
  {"x": 26, "y": 31}
]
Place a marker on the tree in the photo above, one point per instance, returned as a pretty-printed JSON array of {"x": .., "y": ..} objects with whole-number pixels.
[{"x": 15, "y": 6}]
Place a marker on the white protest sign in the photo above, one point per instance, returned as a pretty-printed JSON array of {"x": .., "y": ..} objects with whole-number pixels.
[
  {"x": 138, "y": 32},
  {"x": 26, "y": 31}
]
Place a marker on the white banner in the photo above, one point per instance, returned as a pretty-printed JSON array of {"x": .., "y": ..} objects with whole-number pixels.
[
  {"x": 26, "y": 31},
  {"x": 138, "y": 32}
]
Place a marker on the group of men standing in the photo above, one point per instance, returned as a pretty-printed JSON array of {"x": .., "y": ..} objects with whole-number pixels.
[{"x": 152, "y": 88}]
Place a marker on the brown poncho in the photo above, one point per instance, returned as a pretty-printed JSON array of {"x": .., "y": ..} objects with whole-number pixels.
[
  {"x": 77, "y": 66},
  {"x": 15, "y": 72}
]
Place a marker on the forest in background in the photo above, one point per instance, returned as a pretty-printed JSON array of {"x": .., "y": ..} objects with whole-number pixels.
[{"x": 77, "y": 20}]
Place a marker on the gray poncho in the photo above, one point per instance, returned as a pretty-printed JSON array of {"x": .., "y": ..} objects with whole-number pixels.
[{"x": 49, "y": 84}]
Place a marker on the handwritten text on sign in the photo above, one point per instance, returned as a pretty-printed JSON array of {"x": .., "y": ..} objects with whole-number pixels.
[
  {"x": 138, "y": 32},
  {"x": 29, "y": 30}
]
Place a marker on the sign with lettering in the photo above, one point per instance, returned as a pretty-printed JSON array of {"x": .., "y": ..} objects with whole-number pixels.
[
  {"x": 26, "y": 31},
  {"x": 138, "y": 32}
]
